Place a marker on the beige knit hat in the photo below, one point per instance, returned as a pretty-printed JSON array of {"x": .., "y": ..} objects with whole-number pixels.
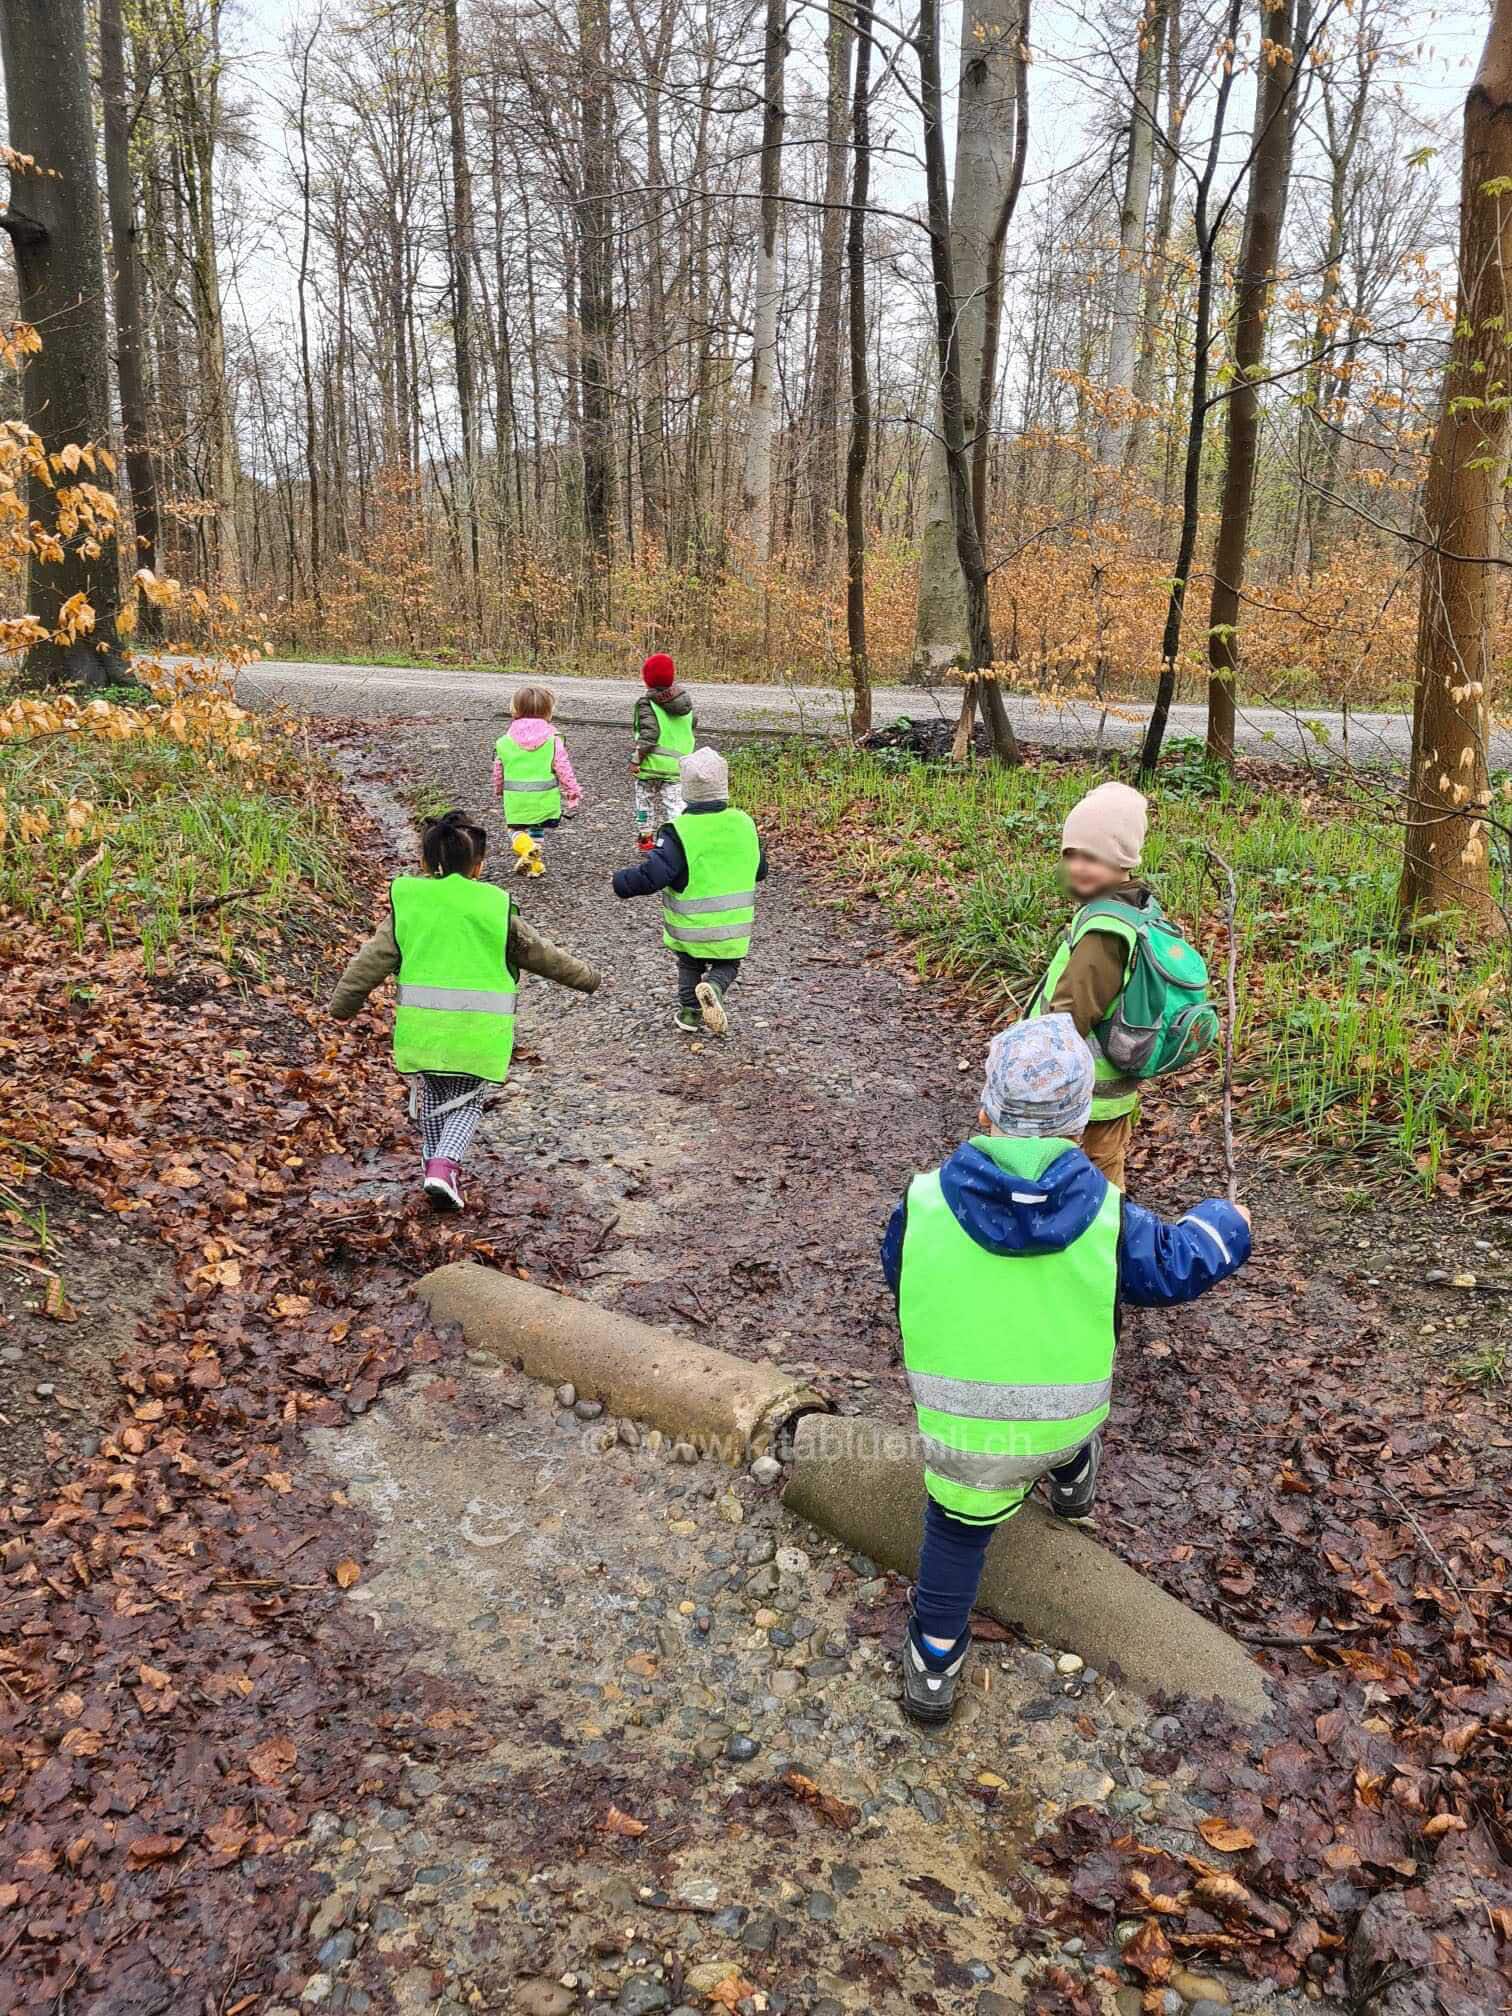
[
  {"x": 705, "y": 777},
  {"x": 1109, "y": 824}
]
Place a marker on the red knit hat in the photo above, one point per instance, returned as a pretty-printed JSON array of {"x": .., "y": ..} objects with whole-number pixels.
[{"x": 658, "y": 670}]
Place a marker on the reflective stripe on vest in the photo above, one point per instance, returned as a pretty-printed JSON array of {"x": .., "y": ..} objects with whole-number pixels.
[
  {"x": 1009, "y": 1356},
  {"x": 674, "y": 740},
  {"x": 471, "y": 1000},
  {"x": 532, "y": 794},
  {"x": 723, "y": 854},
  {"x": 457, "y": 995},
  {"x": 1112, "y": 1094}
]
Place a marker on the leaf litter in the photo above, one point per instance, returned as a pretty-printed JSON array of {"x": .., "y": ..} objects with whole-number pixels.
[{"x": 182, "y": 1680}]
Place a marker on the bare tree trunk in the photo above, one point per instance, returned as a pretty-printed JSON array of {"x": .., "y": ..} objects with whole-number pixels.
[
  {"x": 986, "y": 121},
  {"x": 992, "y": 327},
  {"x": 756, "y": 483},
  {"x": 53, "y": 221},
  {"x": 952, "y": 404},
  {"x": 1155, "y": 275},
  {"x": 131, "y": 334},
  {"x": 461, "y": 283},
  {"x": 311, "y": 428},
  {"x": 197, "y": 66},
  {"x": 1446, "y": 865},
  {"x": 860, "y": 390},
  {"x": 1326, "y": 382},
  {"x": 832, "y": 250},
  {"x": 596, "y": 302},
  {"x": 1133, "y": 216},
  {"x": 1270, "y": 173},
  {"x": 1206, "y": 233}
]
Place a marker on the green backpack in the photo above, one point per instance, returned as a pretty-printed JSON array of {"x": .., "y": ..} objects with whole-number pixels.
[{"x": 1163, "y": 1021}]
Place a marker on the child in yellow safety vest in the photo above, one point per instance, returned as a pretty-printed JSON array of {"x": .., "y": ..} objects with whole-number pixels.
[
  {"x": 532, "y": 772},
  {"x": 1101, "y": 842},
  {"x": 1009, "y": 1265},
  {"x": 665, "y": 729},
  {"x": 457, "y": 946},
  {"x": 705, "y": 866}
]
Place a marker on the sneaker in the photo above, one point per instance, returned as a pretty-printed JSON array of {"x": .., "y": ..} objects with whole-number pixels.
[
  {"x": 442, "y": 1185},
  {"x": 929, "y": 1691},
  {"x": 688, "y": 1020},
  {"x": 1073, "y": 1488},
  {"x": 711, "y": 1004}
]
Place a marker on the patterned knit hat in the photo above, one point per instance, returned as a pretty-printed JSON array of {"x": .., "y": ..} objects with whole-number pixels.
[
  {"x": 1039, "y": 1079},
  {"x": 659, "y": 671}
]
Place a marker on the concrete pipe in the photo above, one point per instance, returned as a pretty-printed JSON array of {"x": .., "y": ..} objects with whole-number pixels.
[
  {"x": 725, "y": 1406},
  {"x": 863, "y": 1482}
]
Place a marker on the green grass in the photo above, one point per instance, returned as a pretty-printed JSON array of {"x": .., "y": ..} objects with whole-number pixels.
[
  {"x": 1484, "y": 1367},
  {"x": 1348, "y": 1042},
  {"x": 178, "y": 835}
]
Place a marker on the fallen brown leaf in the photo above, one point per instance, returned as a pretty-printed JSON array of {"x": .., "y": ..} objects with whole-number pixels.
[
  {"x": 615, "y": 1822},
  {"x": 346, "y": 1573},
  {"x": 829, "y": 1808},
  {"x": 1224, "y": 1835},
  {"x": 150, "y": 1848},
  {"x": 1149, "y": 1952},
  {"x": 272, "y": 1760}
]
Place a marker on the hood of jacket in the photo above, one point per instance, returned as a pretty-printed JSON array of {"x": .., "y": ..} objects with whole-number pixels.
[
  {"x": 1016, "y": 1196},
  {"x": 675, "y": 699},
  {"x": 530, "y": 731}
]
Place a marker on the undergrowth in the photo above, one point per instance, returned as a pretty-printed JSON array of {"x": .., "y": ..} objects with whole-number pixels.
[
  {"x": 1354, "y": 1047},
  {"x": 155, "y": 817}
]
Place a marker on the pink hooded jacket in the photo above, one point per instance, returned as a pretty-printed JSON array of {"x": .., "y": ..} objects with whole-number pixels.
[{"x": 530, "y": 731}]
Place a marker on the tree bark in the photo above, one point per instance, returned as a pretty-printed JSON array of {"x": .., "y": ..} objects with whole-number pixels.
[
  {"x": 986, "y": 122},
  {"x": 859, "y": 447},
  {"x": 948, "y": 349},
  {"x": 1446, "y": 865},
  {"x": 461, "y": 283},
  {"x": 832, "y": 263},
  {"x": 1270, "y": 174},
  {"x": 1133, "y": 216},
  {"x": 756, "y": 482},
  {"x": 54, "y": 226},
  {"x": 131, "y": 333}
]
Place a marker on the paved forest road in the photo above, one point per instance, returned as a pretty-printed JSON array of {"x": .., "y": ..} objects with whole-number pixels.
[{"x": 383, "y": 690}]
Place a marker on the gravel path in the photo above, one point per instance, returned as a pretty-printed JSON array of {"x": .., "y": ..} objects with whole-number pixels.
[
  {"x": 1308, "y": 735},
  {"x": 655, "y": 1637}
]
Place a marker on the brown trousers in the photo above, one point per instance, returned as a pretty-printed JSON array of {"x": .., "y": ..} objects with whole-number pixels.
[{"x": 1105, "y": 1145}]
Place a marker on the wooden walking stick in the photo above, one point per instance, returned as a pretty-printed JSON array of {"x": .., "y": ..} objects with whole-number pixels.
[{"x": 1219, "y": 866}]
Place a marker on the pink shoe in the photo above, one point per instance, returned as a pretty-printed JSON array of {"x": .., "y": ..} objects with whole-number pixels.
[{"x": 442, "y": 1186}]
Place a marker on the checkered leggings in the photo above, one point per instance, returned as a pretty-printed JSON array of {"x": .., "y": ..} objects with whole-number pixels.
[{"x": 448, "y": 1106}]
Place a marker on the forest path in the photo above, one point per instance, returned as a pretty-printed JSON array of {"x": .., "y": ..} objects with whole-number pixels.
[
  {"x": 662, "y": 1638},
  {"x": 1303, "y": 735},
  {"x": 749, "y": 1180}
]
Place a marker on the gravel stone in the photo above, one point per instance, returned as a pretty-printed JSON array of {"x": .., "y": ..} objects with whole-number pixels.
[
  {"x": 565, "y": 1396},
  {"x": 588, "y": 1410},
  {"x": 741, "y": 1749},
  {"x": 640, "y": 1995}
]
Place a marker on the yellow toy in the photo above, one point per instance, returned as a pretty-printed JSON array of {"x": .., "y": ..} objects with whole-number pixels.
[{"x": 527, "y": 852}]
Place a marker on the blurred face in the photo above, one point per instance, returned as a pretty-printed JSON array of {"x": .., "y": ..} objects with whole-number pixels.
[{"x": 1085, "y": 876}]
